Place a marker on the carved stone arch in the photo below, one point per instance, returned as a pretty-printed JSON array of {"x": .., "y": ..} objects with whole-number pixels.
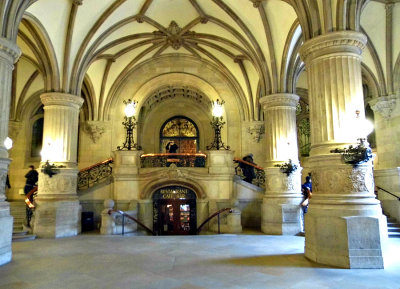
[
  {"x": 152, "y": 187},
  {"x": 89, "y": 95},
  {"x": 369, "y": 79},
  {"x": 396, "y": 75}
]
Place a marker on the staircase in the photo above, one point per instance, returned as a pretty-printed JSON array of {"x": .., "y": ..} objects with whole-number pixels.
[
  {"x": 393, "y": 228},
  {"x": 20, "y": 231}
]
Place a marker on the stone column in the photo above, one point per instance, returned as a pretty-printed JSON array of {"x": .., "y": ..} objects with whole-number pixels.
[
  {"x": 280, "y": 213},
  {"x": 57, "y": 211},
  {"x": 344, "y": 224},
  {"x": 9, "y": 53}
]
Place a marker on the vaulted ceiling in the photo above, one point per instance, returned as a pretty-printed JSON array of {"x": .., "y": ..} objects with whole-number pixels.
[{"x": 92, "y": 47}]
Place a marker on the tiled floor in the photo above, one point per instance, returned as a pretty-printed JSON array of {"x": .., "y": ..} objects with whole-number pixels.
[{"x": 207, "y": 261}]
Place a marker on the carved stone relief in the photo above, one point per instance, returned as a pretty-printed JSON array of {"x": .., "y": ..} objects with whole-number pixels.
[
  {"x": 58, "y": 184},
  {"x": 384, "y": 106},
  {"x": 94, "y": 129},
  {"x": 256, "y": 131}
]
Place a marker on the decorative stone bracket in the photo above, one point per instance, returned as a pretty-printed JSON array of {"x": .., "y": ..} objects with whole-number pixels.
[
  {"x": 94, "y": 129},
  {"x": 384, "y": 105},
  {"x": 256, "y": 131}
]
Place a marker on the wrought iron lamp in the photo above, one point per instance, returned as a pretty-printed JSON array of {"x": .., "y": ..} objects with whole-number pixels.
[
  {"x": 48, "y": 153},
  {"x": 217, "y": 124},
  {"x": 129, "y": 124},
  {"x": 287, "y": 168},
  {"x": 356, "y": 155}
]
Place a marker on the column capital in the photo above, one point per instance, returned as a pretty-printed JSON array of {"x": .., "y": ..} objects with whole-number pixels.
[
  {"x": 9, "y": 50},
  {"x": 62, "y": 99},
  {"x": 343, "y": 42},
  {"x": 384, "y": 105},
  {"x": 279, "y": 100}
]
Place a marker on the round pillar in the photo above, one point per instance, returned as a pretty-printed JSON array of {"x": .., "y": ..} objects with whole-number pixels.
[
  {"x": 9, "y": 53},
  {"x": 57, "y": 211},
  {"x": 344, "y": 223},
  {"x": 281, "y": 211}
]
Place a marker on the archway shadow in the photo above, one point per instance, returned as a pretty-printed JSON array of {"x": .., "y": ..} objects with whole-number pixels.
[{"x": 283, "y": 260}]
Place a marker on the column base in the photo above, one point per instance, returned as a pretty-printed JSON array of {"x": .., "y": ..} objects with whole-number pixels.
[
  {"x": 281, "y": 210},
  {"x": 6, "y": 228},
  {"x": 57, "y": 219},
  {"x": 280, "y": 219},
  {"x": 348, "y": 242}
]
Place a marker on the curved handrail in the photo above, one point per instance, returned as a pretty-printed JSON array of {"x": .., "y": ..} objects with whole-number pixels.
[
  {"x": 398, "y": 198},
  {"x": 28, "y": 196},
  {"x": 89, "y": 176},
  {"x": 109, "y": 160},
  {"x": 133, "y": 219},
  {"x": 247, "y": 163},
  {"x": 212, "y": 216}
]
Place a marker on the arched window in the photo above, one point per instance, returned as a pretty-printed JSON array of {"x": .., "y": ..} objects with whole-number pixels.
[
  {"x": 183, "y": 132},
  {"x": 37, "y": 133}
]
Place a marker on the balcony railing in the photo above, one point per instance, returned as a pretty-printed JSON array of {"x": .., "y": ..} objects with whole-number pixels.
[{"x": 197, "y": 160}]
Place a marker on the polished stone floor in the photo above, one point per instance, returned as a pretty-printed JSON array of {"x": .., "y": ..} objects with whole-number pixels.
[{"x": 206, "y": 261}]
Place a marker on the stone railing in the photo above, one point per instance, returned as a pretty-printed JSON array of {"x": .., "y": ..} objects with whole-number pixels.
[{"x": 197, "y": 160}]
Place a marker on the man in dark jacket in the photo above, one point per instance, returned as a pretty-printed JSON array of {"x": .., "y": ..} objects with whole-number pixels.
[{"x": 31, "y": 180}]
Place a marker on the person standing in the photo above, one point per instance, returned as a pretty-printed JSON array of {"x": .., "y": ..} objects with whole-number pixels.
[
  {"x": 306, "y": 190},
  {"x": 31, "y": 180},
  {"x": 248, "y": 170},
  {"x": 171, "y": 147}
]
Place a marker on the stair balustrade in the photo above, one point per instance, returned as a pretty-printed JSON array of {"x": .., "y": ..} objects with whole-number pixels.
[
  {"x": 92, "y": 175},
  {"x": 125, "y": 215},
  {"x": 260, "y": 173}
]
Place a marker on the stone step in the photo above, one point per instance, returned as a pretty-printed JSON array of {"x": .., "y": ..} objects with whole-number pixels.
[
  {"x": 20, "y": 238},
  {"x": 20, "y": 232},
  {"x": 394, "y": 229},
  {"x": 393, "y": 225},
  {"x": 394, "y": 235}
]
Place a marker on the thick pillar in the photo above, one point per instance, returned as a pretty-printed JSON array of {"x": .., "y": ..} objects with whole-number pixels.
[
  {"x": 57, "y": 211},
  {"x": 9, "y": 53},
  {"x": 344, "y": 224},
  {"x": 281, "y": 211}
]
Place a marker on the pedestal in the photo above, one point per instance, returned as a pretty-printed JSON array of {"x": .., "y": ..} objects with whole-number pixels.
[
  {"x": 57, "y": 212},
  {"x": 281, "y": 210},
  {"x": 344, "y": 223}
]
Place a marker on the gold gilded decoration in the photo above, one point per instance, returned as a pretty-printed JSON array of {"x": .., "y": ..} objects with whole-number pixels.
[{"x": 179, "y": 127}]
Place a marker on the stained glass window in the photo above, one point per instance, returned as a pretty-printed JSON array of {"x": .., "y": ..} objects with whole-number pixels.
[{"x": 183, "y": 132}]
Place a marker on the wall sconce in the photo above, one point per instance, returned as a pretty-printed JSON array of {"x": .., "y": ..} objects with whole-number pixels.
[
  {"x": 217, "y": 124},
  {"x": 48, "y": 168},
  {"x": 129, "y": 124},
  {"x": 8, "y": 143},
  {"x": 356, "y": 155},
  {"x": 287, "y": 168},
  {"x": 51, "y": 169}
]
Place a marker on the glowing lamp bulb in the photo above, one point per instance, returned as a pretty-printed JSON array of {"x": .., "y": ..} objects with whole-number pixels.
[
  {"x": 8, "y": 143},
  {"x": 217, "y": 109},
  {"x": 130, "y": 109}
]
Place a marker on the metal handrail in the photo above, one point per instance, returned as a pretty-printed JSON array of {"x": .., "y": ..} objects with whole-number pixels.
[
  {"x": 398, "y": 198},
  {"x": 212, "y": 216},
  {"x": 260, "y": 173},
  {"x": 133, "y": 219},
  {"x": 28, "y": 198},
  {"x": 89, "y": 176}
]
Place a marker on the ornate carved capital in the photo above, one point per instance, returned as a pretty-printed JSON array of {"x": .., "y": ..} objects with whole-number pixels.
[
  {"x": 344, "y": 42},
  {"x": 95, "y": 129},
  {"x": 279, "y": 100},
  {"x": 9, "y": 50},
  {"x": 61, "y": 99},
  {"x": 77, "y": 2},
  {"x": 384, "y": 105},
  {"x": 256, "y": 131}
]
